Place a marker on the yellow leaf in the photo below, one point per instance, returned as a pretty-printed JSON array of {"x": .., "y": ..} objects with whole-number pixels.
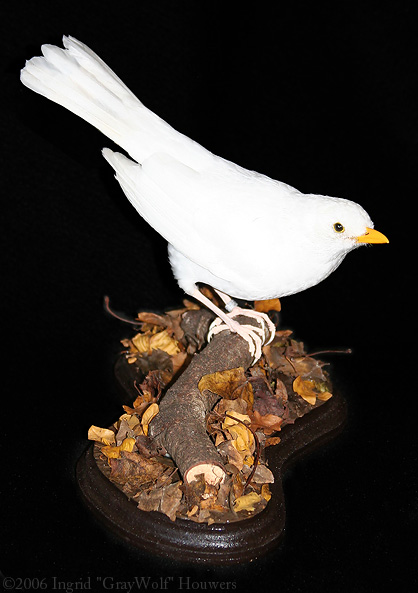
[
  {"x": 231, "y": 422},
  {"x": 111, "y": 452},
  {"x": 142, "y": 342},
  {"x": 247, "y": 502},
  {"x": 148, "y": 415},
  {"x": 163, "y": 341},
  {"x": 265, "y": 492},
  {"x": 306, "y": 389},
  {"x": 324, "y": 396},
  {"x": 101, "y": 435},
  {"x": 267, "y": 305},
  {"x": 244, "y": 439},
  {"x": 127, "y": 444},
  {"x": 131, "y": 419},
  {"x": 114, "y": 452},
  {"x": 249, "y": 460}
]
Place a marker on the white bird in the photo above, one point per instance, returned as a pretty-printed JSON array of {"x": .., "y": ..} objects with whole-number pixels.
[{"x": 246, "y": 235}]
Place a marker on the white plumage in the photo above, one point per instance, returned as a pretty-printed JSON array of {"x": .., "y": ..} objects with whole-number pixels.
[{"x": 243, "y": 233}]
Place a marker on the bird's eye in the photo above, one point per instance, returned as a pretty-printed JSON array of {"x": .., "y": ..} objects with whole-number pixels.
[{"x": 338, "y": 227}]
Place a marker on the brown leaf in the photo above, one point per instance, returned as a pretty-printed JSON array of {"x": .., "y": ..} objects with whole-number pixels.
[
  {"x": 170, "y": 500},
  {"x": 262, "y": 475},
  {"x": 149, "y": 501},
  {"x": 228, "y": 384},
  {"x": 230, "y": 452},
  {"x": 232, "y": 405},
  {"x": 269, "y": 423},
  {"x": 194, "y": 490},
  {"x": 134, "y": 469},
  {"x": 265, "y": 402},
  {"x": 272, "y": 441},
  {"x": 146, "y": 446},
  {"x": 267, "y": 305},
  {"x": 178, "y": 360},
  {"x": 154, "y": 319}
]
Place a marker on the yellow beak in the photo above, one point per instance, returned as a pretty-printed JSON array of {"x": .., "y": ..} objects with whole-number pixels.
[{"x": 372, "y": 236}]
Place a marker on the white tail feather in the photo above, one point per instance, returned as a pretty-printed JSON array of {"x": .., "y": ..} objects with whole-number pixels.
[{"x": 77, "y": 79}]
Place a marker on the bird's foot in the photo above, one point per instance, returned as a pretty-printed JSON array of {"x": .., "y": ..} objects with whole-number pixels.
[{"x": 255, "y": 336}]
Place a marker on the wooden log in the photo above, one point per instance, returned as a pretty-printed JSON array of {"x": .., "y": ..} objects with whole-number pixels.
[{"x": 180, "y": 425}]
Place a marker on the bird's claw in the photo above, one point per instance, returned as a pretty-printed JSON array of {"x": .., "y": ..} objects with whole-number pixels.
[{"x": 253, "y": 335}]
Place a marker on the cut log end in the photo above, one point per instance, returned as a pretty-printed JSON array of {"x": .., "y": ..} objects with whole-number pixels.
[{"x": 213, "y": 474}]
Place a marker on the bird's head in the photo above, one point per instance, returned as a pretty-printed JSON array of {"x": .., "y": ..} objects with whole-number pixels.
[{"x": 341, "y": 225}]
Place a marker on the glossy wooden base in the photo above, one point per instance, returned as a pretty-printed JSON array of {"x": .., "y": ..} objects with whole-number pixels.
[{"x": 185, "y": 540}]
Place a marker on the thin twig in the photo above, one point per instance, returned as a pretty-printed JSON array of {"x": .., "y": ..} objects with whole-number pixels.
[
  {"x": 106, "y": 303},
  {"x": 337, "y": 351}
]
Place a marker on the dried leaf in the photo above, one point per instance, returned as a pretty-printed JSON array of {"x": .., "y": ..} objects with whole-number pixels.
[
  {"x": 148, "y": 415},
  {"x": 163, "y": 341},
  {"x": 131, "y": 419},
  {"x": 272, "y": 441},
  {"x": 147, "y": 447},
  {"x": 114, "y": 452},
  {"x": 135, "y": 470},
  {"x": 266, "y": 402},
  {"x": 247, "y": 502},
  {"x": 149, "y": 501},
  {"x": 101, "y": 435},
  {"x": 178, "y": 361},
  {"x": 243, "y": 438},
  {"x": 234, "y": 418},
  {"x": 227, "y": 448},
  {"x": 148, "y": 341},
  {"x": 170, "y": 500},
  {"x": 142, "y": 342},
  {"x": 324, "y": 396},
  {"x": 127, "y": 445},
  {"x": 269, "y": 423},
  {"x": 262, "y": 475},
  {"x": 111, "y": 452},
  {"x": 232, "y": 405},
  {"x": 154, "y": 319},
  {"x": 306, "y": 389},
  {"x": 194, "y": 490},
  {"x": 267, "y": 305},
  {"x": 265, "y": 492},
  {"x": 228, "y": 384},
  {"x": 123, "y": 430}
]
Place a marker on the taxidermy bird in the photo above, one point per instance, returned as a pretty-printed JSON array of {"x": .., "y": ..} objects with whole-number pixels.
[{"x": 246, "y": 235}]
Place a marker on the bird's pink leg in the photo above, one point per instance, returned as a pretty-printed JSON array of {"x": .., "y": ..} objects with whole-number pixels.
[
  {"x": 234, "y": 311},
  {"x": 254, "y": 336}
]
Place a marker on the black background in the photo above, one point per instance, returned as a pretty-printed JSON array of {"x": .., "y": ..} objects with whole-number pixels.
[{"x": 323, "y": 97}]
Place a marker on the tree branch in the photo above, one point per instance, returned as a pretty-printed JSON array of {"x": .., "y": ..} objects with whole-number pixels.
[{"x": 180, "y": 425}]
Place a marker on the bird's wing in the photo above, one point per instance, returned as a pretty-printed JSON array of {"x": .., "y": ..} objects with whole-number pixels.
[
  {"x": 193, "y": 209},
  {"x": 159, "y": 208}
]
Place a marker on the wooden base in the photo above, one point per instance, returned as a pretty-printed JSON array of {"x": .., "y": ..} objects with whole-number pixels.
[{"x": 223, "y": 544}]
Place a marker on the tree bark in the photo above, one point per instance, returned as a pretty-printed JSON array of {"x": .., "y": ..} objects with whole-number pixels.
[{"x": 180, "y": 425}]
